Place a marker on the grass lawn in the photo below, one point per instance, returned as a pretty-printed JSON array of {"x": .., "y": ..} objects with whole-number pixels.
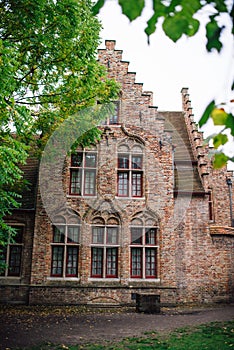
[{"x": 211, "y": 336}]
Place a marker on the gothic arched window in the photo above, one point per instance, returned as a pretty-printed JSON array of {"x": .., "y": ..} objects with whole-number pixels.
[
  {"x": 105, "y": 248},
  {"x": 144, "y": 248},
  {"x": 65, "y": 247},
  {"x": 130, "y": 171}
]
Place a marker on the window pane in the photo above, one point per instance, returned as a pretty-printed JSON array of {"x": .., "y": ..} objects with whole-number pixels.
[
  {"x": 112, "y": 235},
  {"x": 98, "y": 235},
  {"x": 90, "y": 160},
  {"x": 136, "y": 162},
  {"x": 73, "y": 234},
  {"x": 137, "y": 184},
  {"x": 150, "y": 262},
  {"x": 97, "y": 262},
  {"x": 123, "y": 184},
  {"x": 72, "y": 261},
  {"x": 57, "y": 261},
  {"x": 90, "y": 180},
  {"x": 14, "y": 260},
  {"x": 123, "y": 161},
  {"x": 76, "y": 159},
  {"x": 136, "y": 235},
  {"x": 75, "y": 187},
  {"x": 136, "y": 262},
  {"x": 111, "y": 262},
  {"x": 59, "y": 234},
  {"x": 113, "y": 119},
  {"x": 150, "y": 236}
]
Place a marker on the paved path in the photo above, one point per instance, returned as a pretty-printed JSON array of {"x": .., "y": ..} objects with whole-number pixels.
[{"x": 23, "y": 327}]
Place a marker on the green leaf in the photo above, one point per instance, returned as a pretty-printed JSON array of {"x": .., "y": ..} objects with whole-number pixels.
[
  {"x": 219, "y": 140},
  {"x": 96, "y": 8},
  {"x": 175, "y": 26},
  {"x": 193, "y": 26},
  {"x": 219, "y": 116},
  {"x": 132, "y": 8},
  {"x": 151, "y": 27},
  {"x": 230, "y": 123},
  {"x": 213, "y": 33},
  {"x": 206, "y": 113},
  {"x": 220, "y": 160}
]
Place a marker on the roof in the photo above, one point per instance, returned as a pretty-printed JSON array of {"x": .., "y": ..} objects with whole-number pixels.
[
  {"x": 187, "y": 178},
  {"x": 30, "y": 175}
]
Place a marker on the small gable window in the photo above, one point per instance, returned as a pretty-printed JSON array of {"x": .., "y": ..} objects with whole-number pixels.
[{"x": 113, "y": 118}]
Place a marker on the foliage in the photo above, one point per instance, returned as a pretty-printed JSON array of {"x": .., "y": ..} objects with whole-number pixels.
[
  {"x": 48, "y": 72},
  {"x": 178, "y": 18}
]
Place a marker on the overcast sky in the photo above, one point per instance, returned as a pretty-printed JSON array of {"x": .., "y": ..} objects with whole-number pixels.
[{"x": 165, "y": 67}]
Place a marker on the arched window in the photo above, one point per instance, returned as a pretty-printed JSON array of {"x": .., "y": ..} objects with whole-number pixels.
[
  {"x": 130, "y": 171},
  {"x": 65, "y": 247},
  {"x": 105, "y": 248},
  {"x": 83, "y": 172},
  {"x": 144, "y": 248}
]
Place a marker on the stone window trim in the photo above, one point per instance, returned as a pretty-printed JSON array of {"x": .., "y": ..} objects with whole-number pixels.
[
  {"x": 83, "y": 173},
  {"x": 144, "y": 251},
  {"x": 65, "y": 250},
  {"x": 13, "y": 253},
  {"x": 104, "y": 252},
  {"x": 130, "y": 172}
]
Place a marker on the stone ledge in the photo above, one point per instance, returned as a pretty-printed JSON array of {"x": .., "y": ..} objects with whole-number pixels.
[{"x": 221, "y": 230}]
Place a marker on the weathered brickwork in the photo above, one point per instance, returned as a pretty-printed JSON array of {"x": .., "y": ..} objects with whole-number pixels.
[{"x": 183, "y": 199}]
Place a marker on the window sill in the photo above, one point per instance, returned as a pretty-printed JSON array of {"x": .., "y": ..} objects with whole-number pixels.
[
  {"x": 106, "y": 279},
  {"x": 63, "y": 279},
  {"x": 131, "y": 198},
  {"x": 79, "y": 196},
  {"x": 145, "y": 280}
]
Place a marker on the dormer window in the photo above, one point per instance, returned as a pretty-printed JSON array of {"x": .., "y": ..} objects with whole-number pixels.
[{"x": 113, "y": 119}]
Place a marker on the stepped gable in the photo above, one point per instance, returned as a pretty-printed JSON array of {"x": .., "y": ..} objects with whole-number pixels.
[
  {"x": 196, "y": 138},
  {"x": 29, "y": 190},
  {"x": 136, "y": 104}
]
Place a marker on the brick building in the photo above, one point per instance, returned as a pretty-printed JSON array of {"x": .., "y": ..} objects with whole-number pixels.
[{"x": 142, "y": 211}]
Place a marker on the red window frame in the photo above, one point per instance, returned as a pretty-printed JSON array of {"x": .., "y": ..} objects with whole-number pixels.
[
  {"x": 72, "y": 260},
  {"x": 152, "y": 264},
  {"x": 130, "y": 175},
  {"x": 144, "y": 242},
  {"x": 104, "y": 251},
  {"x": 139, "y": 260},
  {"x": 97, "y": 262},
  {"x": 113, "y": 260},
  {"x": 123, "y": 184},
  {"x": 81, "y": 166},
  {"x": 63, "y": 247}
]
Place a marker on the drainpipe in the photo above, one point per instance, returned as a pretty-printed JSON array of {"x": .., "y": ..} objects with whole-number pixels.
[{"x": 229, "y": 183}]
